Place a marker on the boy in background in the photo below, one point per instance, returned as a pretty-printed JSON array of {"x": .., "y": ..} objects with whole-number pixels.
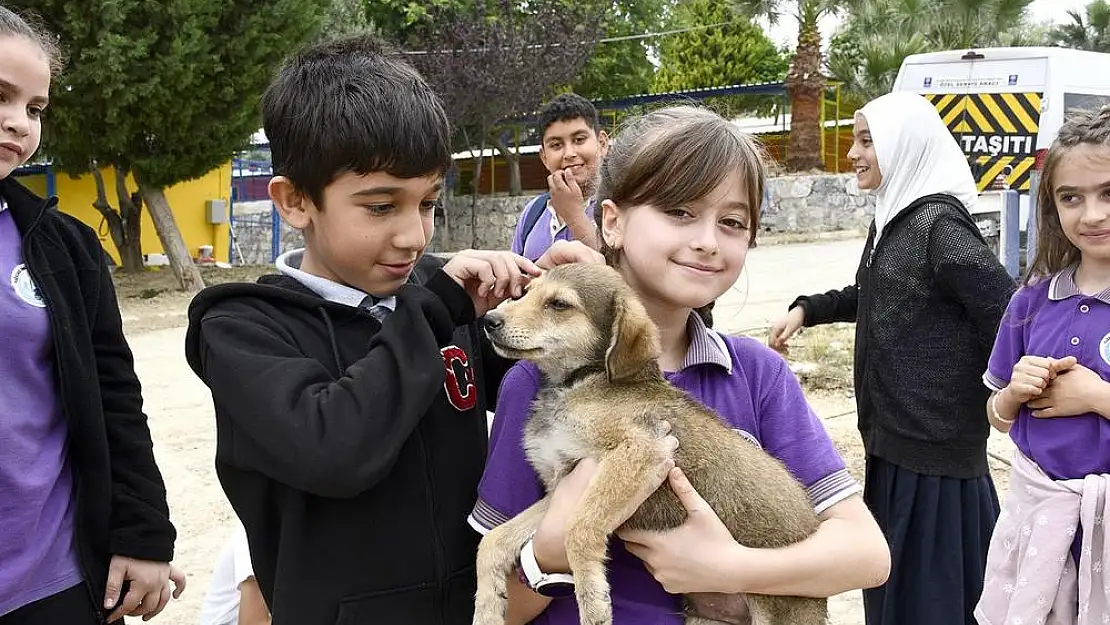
[{"x": 571, "y": 147}]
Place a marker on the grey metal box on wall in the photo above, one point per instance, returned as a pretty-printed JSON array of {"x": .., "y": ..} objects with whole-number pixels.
[{"x": 216, "y": 211}]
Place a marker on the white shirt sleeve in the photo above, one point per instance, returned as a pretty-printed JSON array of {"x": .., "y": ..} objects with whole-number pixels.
[
  {"x": 233, "y": 567},
  {"x": 241, "y": 556}
]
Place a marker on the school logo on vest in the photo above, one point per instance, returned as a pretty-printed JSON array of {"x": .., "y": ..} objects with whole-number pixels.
[
  {"x": 1104, "y": 349},
  {"x": 26, "y": 288},
  {"x": 459, "y": 379}
]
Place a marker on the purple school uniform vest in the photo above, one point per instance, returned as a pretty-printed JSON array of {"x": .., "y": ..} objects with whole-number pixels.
[
  {"x": 1052, "y": 318},
  {"x": 37, "y": 553}
]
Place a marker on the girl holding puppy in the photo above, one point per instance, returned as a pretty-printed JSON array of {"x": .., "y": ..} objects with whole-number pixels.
[
  {"x": 1048, "y": 376},
  {"x": 679, "y": 197}
]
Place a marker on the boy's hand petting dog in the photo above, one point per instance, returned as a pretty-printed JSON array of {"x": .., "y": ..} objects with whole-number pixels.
[
  {"x": 1033, "y": 374},
  {"x": 1075, "y": 390},
  {"x": 549, "y": 541},
  {"x": 565, "y": 252},
  {"x": 149, "y": 590},
  {"x": 490, "y": 277},
  {"x": 493, "y": 277},
  {"x": 696, "y": 557}
]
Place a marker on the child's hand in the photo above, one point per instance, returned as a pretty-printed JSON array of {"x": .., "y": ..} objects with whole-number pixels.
[
  {"x": 549, "y": 542},
  {"x": 565, "y": 252},
  {"x": 1075, "y": 391},
  {"x": 149, "y": 587},
  {"x": 1033, "y": 374},
  {"x": 697, "y": 556},
  {"x": 784, "y": 328},
  {"x": 490, "y": 277},
  {"x": 566, "y": 195}
]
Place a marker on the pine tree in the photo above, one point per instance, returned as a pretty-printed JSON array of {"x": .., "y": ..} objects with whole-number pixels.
[{"x": 163, "y": 90}]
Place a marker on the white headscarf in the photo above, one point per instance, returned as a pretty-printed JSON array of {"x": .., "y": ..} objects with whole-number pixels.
[{"x": 916, "y": 154}]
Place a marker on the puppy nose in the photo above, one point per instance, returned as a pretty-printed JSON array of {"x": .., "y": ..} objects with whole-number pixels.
[{"x": 495, "y": 319}]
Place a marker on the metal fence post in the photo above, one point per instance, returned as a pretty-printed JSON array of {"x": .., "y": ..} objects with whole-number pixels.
[
  {"x": 1031, "y": 224},
  {"x": 1009, "y": 239},
  {"x": 275, "y": 233},
  {"x": 51, "y": 181}
]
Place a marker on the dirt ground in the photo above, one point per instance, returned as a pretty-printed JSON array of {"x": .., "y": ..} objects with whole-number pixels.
[{"x": 183, "y": 429}]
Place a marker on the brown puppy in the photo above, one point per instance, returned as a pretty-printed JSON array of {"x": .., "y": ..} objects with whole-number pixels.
[{"x": 604, "y": 396}]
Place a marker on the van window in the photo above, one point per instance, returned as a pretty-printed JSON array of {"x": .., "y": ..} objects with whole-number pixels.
[{"x": 1084, "y": 101}]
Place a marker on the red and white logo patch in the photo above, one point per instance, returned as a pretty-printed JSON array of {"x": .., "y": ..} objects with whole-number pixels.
[{"x": 461, "y": 391}]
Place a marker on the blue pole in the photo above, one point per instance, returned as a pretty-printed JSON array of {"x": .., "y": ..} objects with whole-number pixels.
[
  {"x": 51, "y": 182},
  {"x": 275, "y": 233}
]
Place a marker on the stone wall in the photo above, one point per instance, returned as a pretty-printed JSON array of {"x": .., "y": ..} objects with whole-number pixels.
[
  {"x": 823, "y": 203},
  {"x": 252, "y": 241},
  {"x": 799, "y": 204},
  {"x": 495, "y": 224}
]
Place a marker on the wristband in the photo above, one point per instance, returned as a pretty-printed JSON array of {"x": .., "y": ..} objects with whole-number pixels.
[
  {"x": 994, "y": 410},
  {"x": 546, "y": 584}
]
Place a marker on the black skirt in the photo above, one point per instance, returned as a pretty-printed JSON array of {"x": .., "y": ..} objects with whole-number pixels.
[{"x": 938, "y": 529}]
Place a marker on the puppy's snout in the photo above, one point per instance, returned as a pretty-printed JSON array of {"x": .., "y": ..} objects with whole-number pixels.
[{"x": 495, "y": 319}]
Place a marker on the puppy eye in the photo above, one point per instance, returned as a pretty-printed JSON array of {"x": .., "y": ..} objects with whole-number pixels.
[{"x": 558, "y": 304}]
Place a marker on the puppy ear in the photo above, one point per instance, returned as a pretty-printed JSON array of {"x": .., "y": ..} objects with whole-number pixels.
[{"x": 635, "y": 339}]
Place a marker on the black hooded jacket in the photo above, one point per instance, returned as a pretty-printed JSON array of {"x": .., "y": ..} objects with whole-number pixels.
[
  {"x": 350, "y": 449},
  {"x": 119, "y": 493},
  {"x": 927, "y": 302}
]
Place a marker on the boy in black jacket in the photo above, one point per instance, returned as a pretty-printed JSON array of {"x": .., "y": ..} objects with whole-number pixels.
[{"x": 351, "y": 389}]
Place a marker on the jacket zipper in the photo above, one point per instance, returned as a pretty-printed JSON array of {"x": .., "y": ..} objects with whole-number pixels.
[
  {"x": 440, "y": 558},
  {"x": 78, "y": 534}
]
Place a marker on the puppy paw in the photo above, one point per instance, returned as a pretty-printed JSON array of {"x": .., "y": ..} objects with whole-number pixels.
[{"x": 486, "y": 614}]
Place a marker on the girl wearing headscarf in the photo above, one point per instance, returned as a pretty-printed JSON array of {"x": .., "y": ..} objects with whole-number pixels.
[{"x": 927, "y": 301}]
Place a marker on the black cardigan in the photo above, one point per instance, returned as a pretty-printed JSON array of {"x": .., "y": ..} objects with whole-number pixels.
[
  {"x": 927, "y": 303},
  {"x": 119, "y": 493}
]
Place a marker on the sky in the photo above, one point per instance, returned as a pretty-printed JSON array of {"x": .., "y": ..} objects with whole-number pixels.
[{"x": 786, "y": 31}]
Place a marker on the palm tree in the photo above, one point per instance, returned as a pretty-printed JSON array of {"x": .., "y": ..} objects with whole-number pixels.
[
  {"x": 880, "y": 34},
  {"x": 1092, "y": 33},
  {"x": 805, "y": 82}
]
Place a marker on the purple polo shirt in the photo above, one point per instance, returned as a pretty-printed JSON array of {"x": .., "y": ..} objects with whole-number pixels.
[
  {"x": 546, "y": 231},
  {"x": 749, "y": 385},
  {"x": 37, "y": 554},
  {"x": 1052, "y": 318}
]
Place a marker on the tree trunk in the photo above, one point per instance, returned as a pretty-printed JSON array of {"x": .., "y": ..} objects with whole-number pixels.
[
  {"x": 806, "y": 85},
  {"x": 131, "y": 213},
  {"x": 477, "y": 160},
  {"x": 512, "y": 157},
  {"x": 124, "y": 226},
  {"x": 181, "y": 262},
  {"x": 446, "y": 240},
  {"x": 474, "y": 198}
]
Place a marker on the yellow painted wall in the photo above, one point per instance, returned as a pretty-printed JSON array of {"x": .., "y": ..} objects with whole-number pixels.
[
  {"x": 187, "y": 200},
  {"x": 34, "y": 183}
]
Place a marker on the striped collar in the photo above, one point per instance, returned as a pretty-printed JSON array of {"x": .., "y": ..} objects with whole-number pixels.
[
  {"x": 707, "y": 347},
  {"x": 289, "y": 264},
  {"x": 557, "y": 222},
  {"x": 1063, "y": 286}
]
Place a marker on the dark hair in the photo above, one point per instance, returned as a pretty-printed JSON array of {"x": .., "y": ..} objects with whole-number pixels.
[
  {"x": 1054, "y": 251},
  {"x": 674, "y": 156},
  {"x": 566, "y": 107},
  {"x": 12, "y": 25},
  {"x": 349, "y": 105}
]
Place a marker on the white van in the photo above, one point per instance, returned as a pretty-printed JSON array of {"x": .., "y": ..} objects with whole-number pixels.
[{"x": 1005, "y": 105}]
